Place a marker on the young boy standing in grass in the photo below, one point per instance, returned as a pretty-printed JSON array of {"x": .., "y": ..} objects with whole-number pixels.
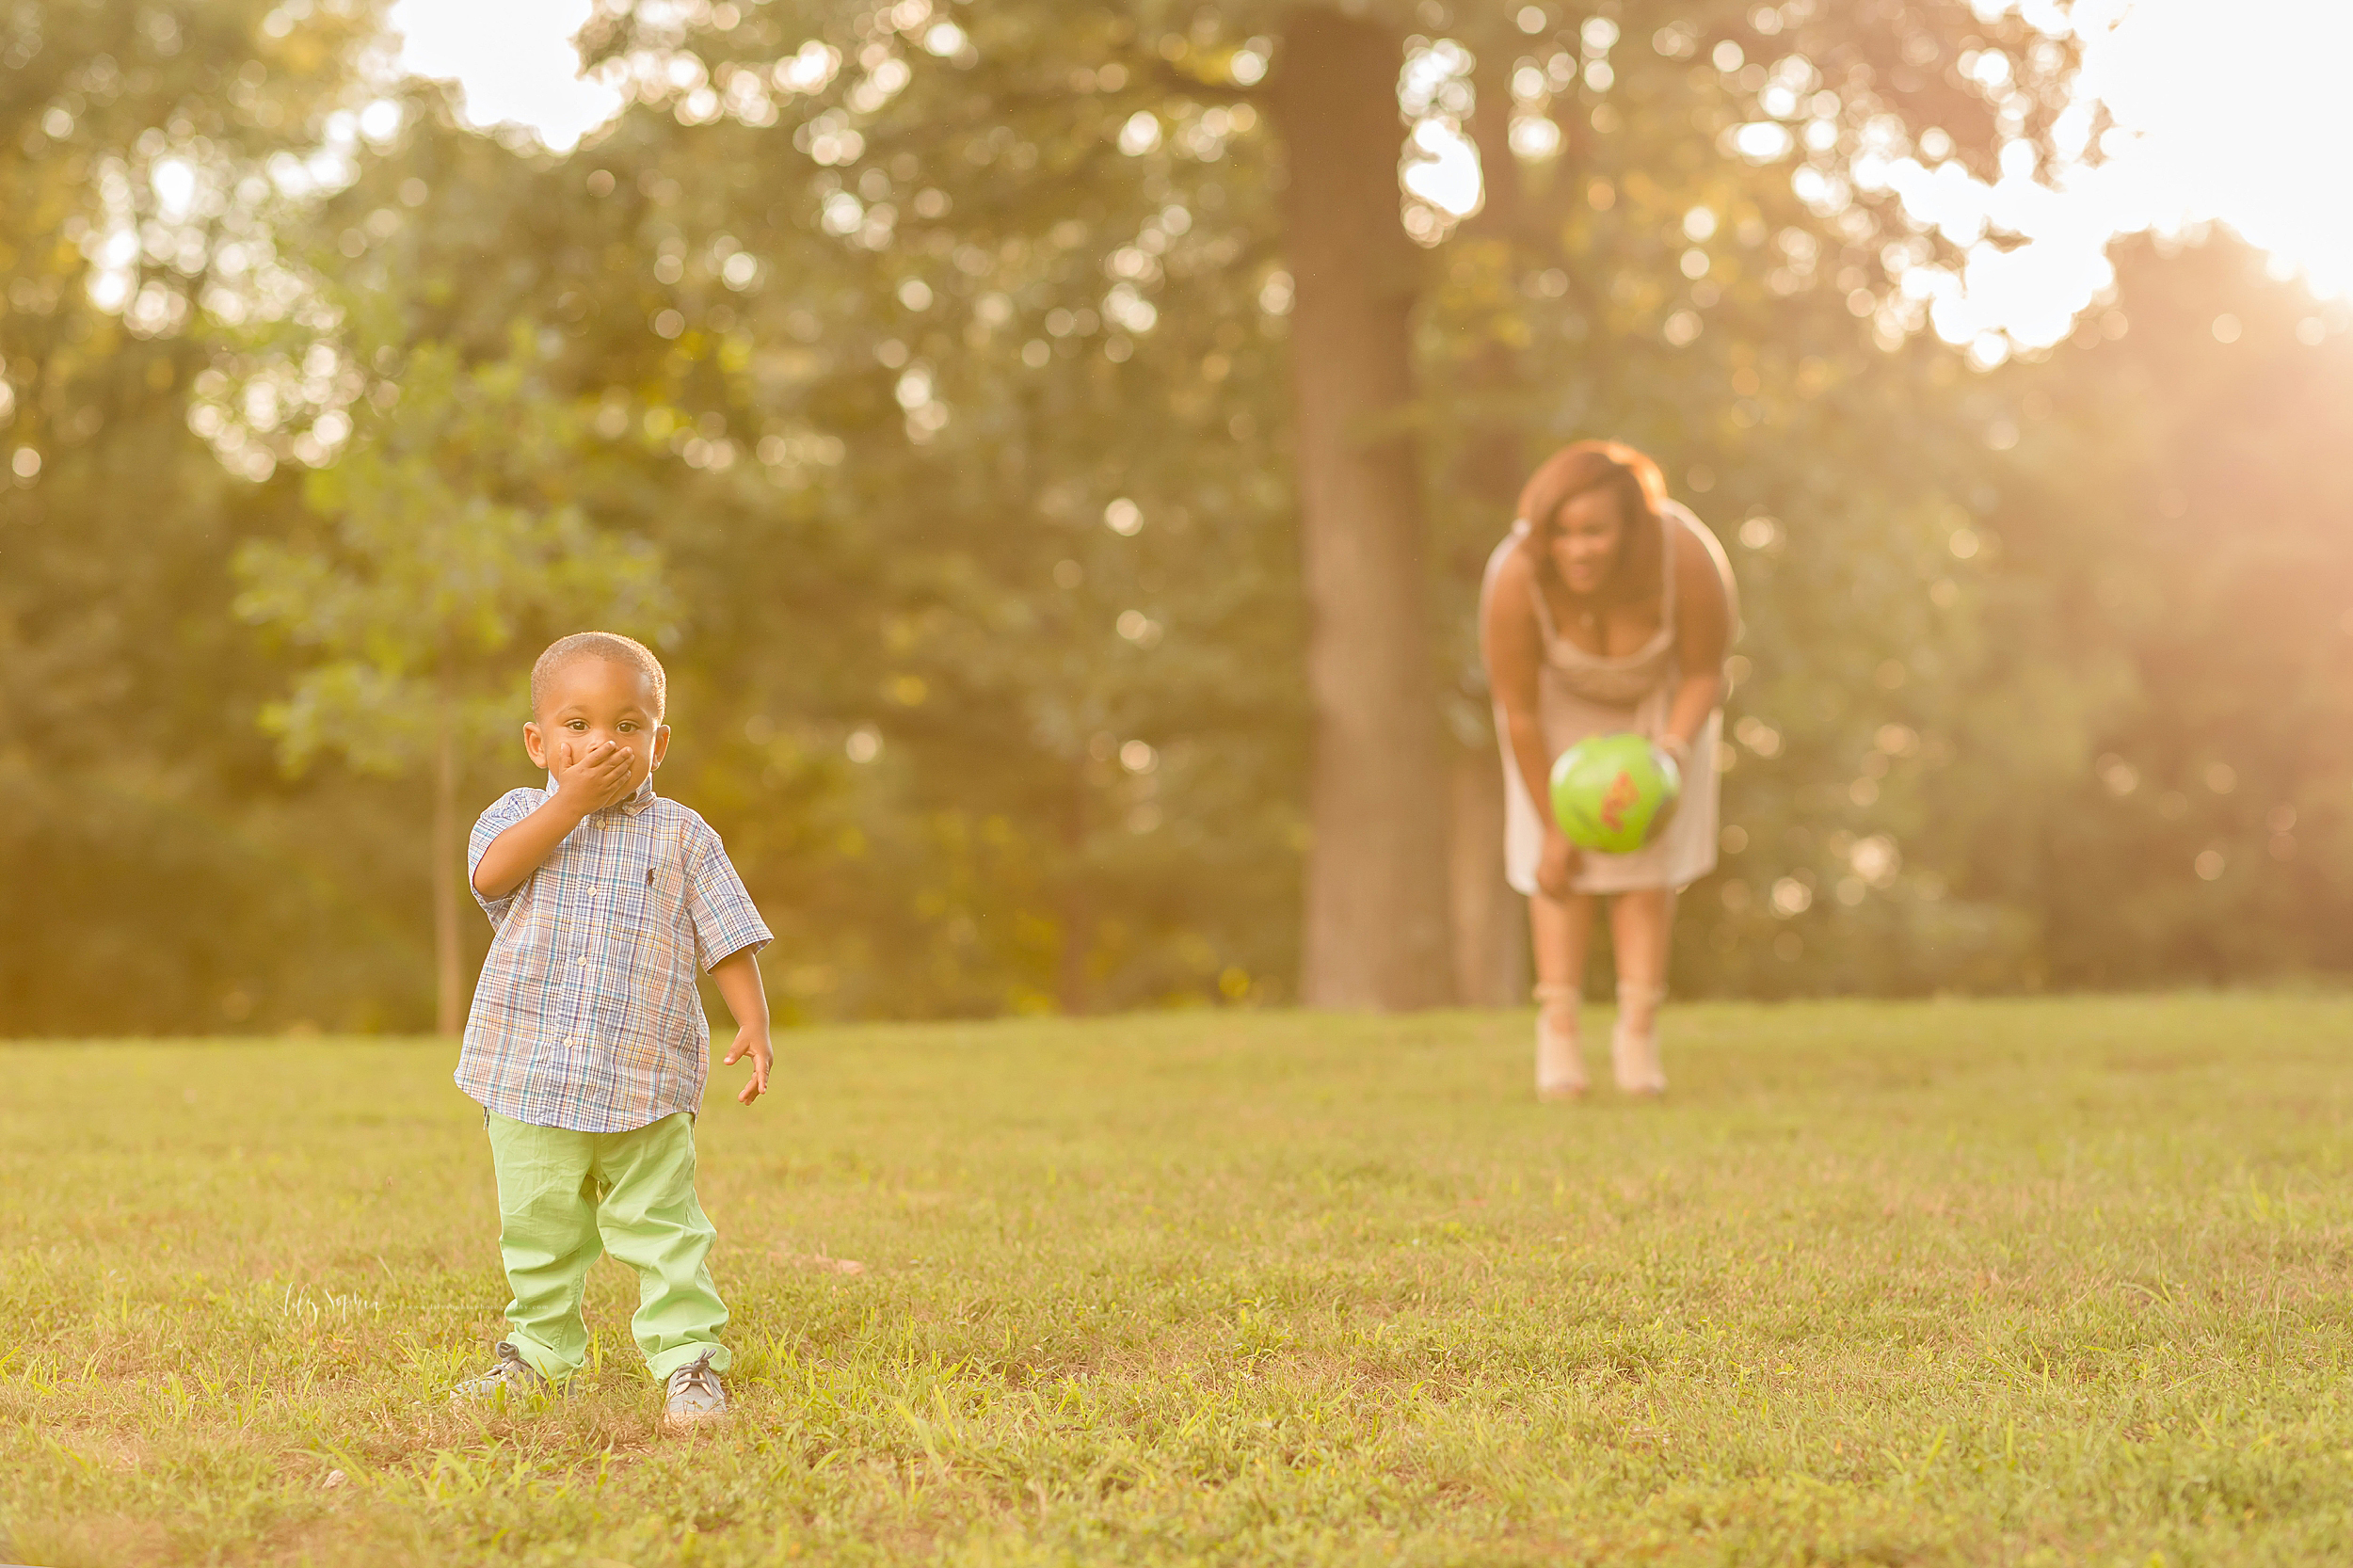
[{"x": 586, "y": 1047}]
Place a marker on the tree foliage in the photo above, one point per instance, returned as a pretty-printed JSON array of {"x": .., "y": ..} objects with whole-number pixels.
[
  {"x": 943, "y": 358},
  {"x": 159, "y": 873},
  {"x": 448, "y": 547}
]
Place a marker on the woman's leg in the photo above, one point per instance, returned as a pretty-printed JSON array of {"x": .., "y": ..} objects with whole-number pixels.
[
  {"x": 1558, "y": 931},
  {"x": 1640, "y": 924}
]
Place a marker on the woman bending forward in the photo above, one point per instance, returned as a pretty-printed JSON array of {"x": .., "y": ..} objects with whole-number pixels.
[{"x": 1606, "y": 610}]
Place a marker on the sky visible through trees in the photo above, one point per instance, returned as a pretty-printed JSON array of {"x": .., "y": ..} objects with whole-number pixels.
[{"x": 2221, "y": 154}]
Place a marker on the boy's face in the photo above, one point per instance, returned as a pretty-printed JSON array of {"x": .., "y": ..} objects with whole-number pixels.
[{"x": 593, "y": 701}]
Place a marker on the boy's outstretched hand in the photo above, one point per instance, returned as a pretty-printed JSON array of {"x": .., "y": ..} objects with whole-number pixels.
[
  {"x": 754, "y": 1043},
  {"x": 738, "y": 979}
]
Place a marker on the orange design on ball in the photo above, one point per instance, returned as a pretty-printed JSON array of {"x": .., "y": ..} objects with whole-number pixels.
[{"x": 1623, "y": 793}]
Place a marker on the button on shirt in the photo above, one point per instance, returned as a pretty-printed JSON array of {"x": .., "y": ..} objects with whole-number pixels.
[{"x": 587, "y": 1015}]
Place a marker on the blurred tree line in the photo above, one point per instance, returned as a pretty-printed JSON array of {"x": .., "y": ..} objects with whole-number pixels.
[{"x": 1056, "y": 470}]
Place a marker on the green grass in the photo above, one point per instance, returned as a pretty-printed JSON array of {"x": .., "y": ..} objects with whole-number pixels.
[{"x": 1982, "y": 1283}]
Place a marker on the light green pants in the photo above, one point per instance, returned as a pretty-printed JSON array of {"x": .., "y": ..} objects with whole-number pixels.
[{"x": 566, "y": 1196}]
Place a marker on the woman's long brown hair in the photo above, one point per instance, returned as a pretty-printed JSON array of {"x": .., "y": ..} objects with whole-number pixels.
[{"x": 1641, "y": 489}]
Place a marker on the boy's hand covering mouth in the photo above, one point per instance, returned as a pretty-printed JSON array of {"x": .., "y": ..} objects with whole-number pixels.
[{"x": 603, "y": 771}]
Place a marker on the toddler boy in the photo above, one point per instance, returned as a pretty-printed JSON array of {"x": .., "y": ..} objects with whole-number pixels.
[{"x": 587, "y": 1046}]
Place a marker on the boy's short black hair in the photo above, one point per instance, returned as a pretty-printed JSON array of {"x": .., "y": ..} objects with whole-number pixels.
[{"x": 599, "y": 645}]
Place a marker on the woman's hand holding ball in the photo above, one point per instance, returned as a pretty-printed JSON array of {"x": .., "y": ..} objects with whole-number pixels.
[{"x": 1556, "y": 869}]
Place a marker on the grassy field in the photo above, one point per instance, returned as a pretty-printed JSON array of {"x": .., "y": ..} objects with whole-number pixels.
[{"x": 1983, "y": 1283}]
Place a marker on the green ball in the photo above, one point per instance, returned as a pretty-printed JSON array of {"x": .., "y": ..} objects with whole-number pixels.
[{"x": 1611, "y": 792}]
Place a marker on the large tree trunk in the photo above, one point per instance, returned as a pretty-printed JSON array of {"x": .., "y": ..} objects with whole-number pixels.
[
  {"x": 448, "y": 982},
  {"x": 1490, "y": 927},
  {"x": 1376, "y": 917}
]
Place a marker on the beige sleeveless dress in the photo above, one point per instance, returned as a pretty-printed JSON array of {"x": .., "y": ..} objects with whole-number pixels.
[{"x": 1581, "y": 693}]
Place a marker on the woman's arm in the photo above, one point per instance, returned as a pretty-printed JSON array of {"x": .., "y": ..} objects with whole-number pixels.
[
  {"x": 1512, "y": 650},
  {"x": 1707, "y": 612}
]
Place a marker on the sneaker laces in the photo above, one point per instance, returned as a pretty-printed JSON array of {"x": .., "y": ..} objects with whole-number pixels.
[
  {"x": 698, "y": 1376},
  {"x": 508, "y": 1377}
]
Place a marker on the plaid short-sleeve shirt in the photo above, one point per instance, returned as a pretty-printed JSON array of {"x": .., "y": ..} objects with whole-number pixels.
[{"x": 587, "y": 1015}]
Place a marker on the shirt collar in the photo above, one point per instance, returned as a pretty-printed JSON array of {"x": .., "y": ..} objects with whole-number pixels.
[{"x": 634, "y": 803}]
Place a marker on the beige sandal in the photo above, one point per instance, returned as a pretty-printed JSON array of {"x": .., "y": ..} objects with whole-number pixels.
[
  {"x": 1560, "y": 1059},
  {"x": 1634, "y": 1057}
]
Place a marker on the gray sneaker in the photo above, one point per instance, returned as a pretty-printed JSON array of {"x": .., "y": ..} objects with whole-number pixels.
[
  {"x": 693, "y": 1396},
  {"x": 511, "y": 1383}
]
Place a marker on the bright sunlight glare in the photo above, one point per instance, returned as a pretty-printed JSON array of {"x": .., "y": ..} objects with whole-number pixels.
[
  {"x": 2241, "y": 116},
  {"x": 2223, "y": 112},
  {"x": 512, "y": 59}
]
